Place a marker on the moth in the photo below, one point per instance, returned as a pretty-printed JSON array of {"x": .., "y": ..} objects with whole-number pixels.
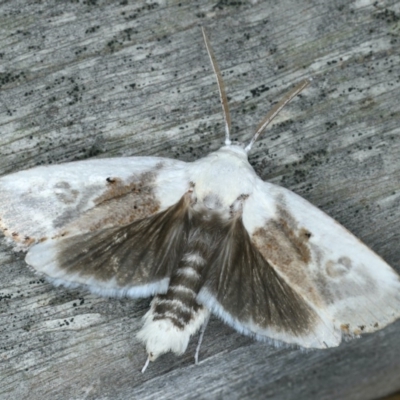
[{"x": 202, "y": 237}]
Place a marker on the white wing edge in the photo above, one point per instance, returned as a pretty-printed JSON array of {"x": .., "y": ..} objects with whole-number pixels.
[{"x": 325, "y": 335}]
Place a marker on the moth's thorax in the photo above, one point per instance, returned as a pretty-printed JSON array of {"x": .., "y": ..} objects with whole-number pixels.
[{"x": 222, "y": 176}]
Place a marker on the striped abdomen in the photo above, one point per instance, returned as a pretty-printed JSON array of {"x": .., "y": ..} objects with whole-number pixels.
[
  {"x": 179, "y": 304},
  {"x": 176, "y": 315}
]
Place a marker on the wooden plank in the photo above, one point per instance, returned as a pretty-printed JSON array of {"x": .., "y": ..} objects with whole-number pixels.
[{"x": 102, "y": 78}]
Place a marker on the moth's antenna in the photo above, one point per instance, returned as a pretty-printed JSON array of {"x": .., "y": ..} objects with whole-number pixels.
[
  {"x": 221, "y": 88},
  {"x": 275, "y": 111}
]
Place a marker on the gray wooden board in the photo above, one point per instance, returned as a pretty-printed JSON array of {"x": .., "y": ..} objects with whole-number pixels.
[{"x": 93, "y": 79}]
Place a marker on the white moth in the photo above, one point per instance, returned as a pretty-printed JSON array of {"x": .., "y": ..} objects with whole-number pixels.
[{"x": 207, "y": 236}]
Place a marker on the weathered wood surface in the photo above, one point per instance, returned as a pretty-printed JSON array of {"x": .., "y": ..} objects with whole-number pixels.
[{"x": 81, "y": 79}]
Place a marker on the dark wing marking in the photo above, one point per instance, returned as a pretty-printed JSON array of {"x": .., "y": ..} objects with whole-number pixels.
[
  {"x": 328, "y": 266},
  {"x": 244, "y": 290},
  {"x": 134, "y": 260},
  {"x": 85, "y": 196}
]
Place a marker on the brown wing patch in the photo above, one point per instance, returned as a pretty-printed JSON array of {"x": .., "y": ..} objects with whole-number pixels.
[
  {"x": 248, "y": 287},
  {"x": 142, "y": 183},
  {"x": 284, "y": 240},
  {"x": 28, "y": 240},
  {"x": 119, "y": 205},
  {"x": 142, "y": 252},
  {"x": 287, "y": 247}
]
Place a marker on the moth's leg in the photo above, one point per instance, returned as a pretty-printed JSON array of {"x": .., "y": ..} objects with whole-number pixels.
[
  {"x": 146, "y": 364},
  {"x": 202, "y": 331}
]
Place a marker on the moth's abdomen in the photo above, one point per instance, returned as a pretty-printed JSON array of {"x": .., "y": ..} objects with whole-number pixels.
[
  {"x": 176, "y": 315},
  {"x": 179, "y": 303}
]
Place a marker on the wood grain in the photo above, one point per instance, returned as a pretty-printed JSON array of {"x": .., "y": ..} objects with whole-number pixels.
[{"x": 85, "y": 79}]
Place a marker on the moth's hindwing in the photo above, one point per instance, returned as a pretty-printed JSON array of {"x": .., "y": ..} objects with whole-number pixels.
[
  {"x": 90, "y": 221},
  {"x": 292, "y": 273},
  {"x": 249, "y": 293}
]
